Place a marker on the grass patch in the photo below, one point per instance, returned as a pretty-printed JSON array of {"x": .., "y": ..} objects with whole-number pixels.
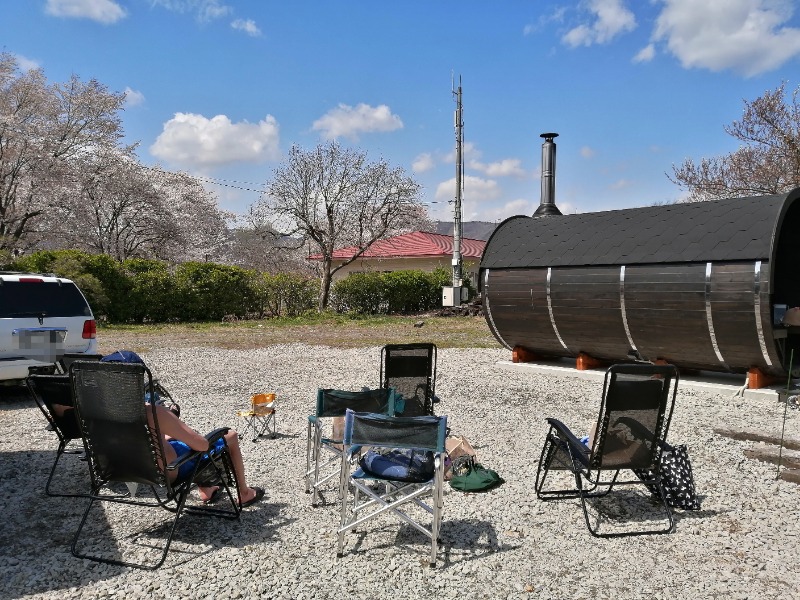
[{"x": 325, "y": 329}]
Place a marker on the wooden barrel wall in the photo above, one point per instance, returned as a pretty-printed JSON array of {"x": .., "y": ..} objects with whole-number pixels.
[{"x": 714, "y": 312}]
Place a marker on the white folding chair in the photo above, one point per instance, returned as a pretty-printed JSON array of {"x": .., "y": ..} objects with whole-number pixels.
[{"x": 403, "y": 491}]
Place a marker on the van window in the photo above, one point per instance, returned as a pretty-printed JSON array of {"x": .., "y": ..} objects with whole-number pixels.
[{"x": 50, "y": 299}]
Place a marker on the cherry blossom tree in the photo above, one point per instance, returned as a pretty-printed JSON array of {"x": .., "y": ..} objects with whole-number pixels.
[{"x": 767, "y": 162}]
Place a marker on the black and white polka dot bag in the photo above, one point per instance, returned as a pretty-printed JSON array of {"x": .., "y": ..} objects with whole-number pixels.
[{"x": 676, "y": 477}]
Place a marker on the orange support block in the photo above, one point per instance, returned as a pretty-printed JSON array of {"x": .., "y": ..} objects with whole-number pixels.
[
  {"x": 756, "y": 379},
  {"x": 585, "y": 362},
  {"x": 520, "y": 354}
]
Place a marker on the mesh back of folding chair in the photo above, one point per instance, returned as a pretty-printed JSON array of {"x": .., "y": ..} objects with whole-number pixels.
[
  {"x": 370, "y": 429},
  {"x": 109, "y": 399},
  {"x": 334, "y": 403},
  {"x": 635, "y": 414},
  {"x": 411, "y": 370},
  {"x": 53, "y": 392}
]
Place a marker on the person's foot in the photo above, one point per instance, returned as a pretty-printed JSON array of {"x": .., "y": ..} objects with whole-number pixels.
[
  {"x": 208, "y": 494},
  {"x": 251, "y": 496}
]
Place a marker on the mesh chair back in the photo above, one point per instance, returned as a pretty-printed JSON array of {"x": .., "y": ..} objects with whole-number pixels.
[
  {"x": 411, "y": 370},
  {"x": 382, "y": 431},
  {"x": 67, "y": 359},
  {"x": 109, "y": 399},
  {"x": 334, "y": 403},
  {"x": 635, "y": 414},
  {"x": 53, "y": 393}
]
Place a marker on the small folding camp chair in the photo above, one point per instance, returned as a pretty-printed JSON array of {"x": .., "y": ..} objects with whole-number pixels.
[
  {"x": 411, "y": 370},
  {"x": 259, "y": 419},
  {"x": 401, "y": 491},
  {"x": 53, "y": 396},
  {"x": 635, "y": 414},
  {"x": 123, "y": 444},
  {"x": 324, "y": 443}
]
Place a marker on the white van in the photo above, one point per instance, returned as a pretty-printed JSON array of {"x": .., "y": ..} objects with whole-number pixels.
[{"x": 42, "y": 317}]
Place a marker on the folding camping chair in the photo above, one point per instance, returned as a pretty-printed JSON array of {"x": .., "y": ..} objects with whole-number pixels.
[
  {"x": 411, "y": 370},
  {"x": 401, "y": 491},
  {"x": 259, "y": 418},
  {"x": 324, "y": 448},
  {"x": 635, "y": 413},
  {"x": 53, "y": 396},
  {"x": 123, "y": 444}
]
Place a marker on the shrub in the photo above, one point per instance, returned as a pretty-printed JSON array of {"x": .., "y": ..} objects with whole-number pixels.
[
  {"x": 152, "y": 296},
  {"x": 207, "y": 291},
  {"x": 285, "y": 294},
  {"x": 362, "y": 293}
]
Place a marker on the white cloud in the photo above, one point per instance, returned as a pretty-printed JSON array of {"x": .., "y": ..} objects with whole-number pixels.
[
  {"x": 248, "y": 26},
  {"x": 746, "y": 36},
  {"x": 423, "y": 162},
  {"x": 646, "y": 54},
  {"x": 102, "y": 11},
  {"x": 133, "y": 97},
  {"x": 349, "y": 122},
  {"x": 476, "y": 189},
  {"x": 587, "y": 152},
  {"x": 557, "y": 16},
  {"x": 192, "y": 140},
  {"x": 204, "y": 10},
  {"x": 26, "y": 64},
  {"x": 621, "y": 184},
  {"x": 508, "y": 167},
  {"x": 610, "y": 19}
]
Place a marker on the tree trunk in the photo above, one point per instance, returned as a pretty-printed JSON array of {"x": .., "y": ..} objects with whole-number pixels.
[{"x": 325, "y": 286}]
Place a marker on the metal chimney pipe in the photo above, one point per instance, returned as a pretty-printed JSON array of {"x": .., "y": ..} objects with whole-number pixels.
[{"x": 547, "y": 203}]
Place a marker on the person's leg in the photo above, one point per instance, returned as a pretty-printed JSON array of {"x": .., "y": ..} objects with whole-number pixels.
[{"x": 245, "y": 493}]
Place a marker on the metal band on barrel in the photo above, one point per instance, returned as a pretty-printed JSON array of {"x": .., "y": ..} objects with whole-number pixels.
[
  {"x": 550, "y": 310},
  {"x": 622, "y": 308},
  {"x": 709, "y": 319},
  {"x": 757, "y": 310},
  {"x": 489, "y": 311}
]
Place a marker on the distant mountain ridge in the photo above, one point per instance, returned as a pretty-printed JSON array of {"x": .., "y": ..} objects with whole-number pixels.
[{"x": 474, "y": 230}]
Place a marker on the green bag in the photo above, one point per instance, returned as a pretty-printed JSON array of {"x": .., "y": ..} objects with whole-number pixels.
[{"x": 469, "y": 476}]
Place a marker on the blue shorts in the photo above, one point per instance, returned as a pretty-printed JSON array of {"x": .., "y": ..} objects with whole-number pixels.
[{"x": 182, "y": 449}]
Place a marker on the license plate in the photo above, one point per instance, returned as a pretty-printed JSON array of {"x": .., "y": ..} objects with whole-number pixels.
[{"x": 44, "y": 344}]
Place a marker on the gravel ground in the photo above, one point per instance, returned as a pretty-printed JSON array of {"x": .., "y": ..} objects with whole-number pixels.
[{"x": 500, "y": 544}]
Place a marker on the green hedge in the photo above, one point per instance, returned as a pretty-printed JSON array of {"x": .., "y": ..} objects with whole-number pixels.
[
  {"x": 396, "y": 292},
  {"x": 138, "y": 290},
  {"x": 151, "y": 291}
]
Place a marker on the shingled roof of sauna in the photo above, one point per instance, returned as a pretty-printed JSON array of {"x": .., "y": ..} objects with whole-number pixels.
[
  {"x": 719, "y": 230},
  {"x": 417, "y": 244}
]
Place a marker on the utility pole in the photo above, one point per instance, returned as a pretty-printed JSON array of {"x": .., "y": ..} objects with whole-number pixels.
[{"x": 451, "y": 296}]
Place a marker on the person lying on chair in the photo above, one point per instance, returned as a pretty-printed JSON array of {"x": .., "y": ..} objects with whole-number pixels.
[{"x": 180, "y": 439}]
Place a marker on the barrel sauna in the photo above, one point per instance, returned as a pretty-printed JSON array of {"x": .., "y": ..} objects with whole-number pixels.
[{"x": 700, "y": 285}]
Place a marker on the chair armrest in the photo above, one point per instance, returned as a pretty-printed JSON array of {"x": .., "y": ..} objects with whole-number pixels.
[
  {"x": 178, "y": 462},
  {"x": 580, "y": 449},
  {"x": 213, "y": 436}
]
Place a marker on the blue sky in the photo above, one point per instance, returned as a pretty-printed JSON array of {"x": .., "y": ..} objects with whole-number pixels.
[{"x": 222, "y": 89}]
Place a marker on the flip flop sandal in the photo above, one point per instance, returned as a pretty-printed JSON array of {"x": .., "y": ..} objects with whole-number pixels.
[{"x": 257, "y": 498}]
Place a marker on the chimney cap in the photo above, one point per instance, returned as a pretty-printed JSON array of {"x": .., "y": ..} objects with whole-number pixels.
[{"x": 548, "y": 136}]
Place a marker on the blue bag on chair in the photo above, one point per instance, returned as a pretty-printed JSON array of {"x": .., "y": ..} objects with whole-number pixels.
[{"x": 413, "y": 466}]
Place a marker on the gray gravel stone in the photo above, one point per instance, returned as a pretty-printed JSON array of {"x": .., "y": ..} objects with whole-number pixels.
[{"x": 501, "y": 544}]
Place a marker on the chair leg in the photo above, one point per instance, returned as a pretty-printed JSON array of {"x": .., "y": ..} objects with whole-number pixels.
[
  {"x": 62, "y": 449},
  {"x": 181, "y": 500},
  {"x": 344, "y": 477},
  {"x": 595, "y": 531}
]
